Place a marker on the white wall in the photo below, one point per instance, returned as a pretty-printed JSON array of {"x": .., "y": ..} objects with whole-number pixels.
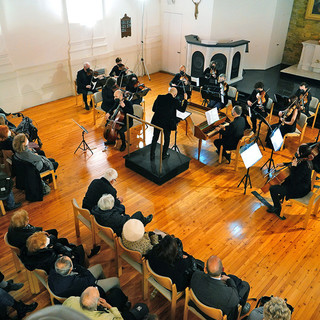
[{"x": 44, "y": 42}]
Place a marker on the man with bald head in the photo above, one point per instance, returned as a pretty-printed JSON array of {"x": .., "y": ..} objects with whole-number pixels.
[
  {"x": 165, "y": 108},
  {"x": 126, "y": 107},
  {"x": 216, "y": 289}
]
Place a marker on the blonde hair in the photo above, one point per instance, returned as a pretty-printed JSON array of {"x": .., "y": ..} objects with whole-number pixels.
[
  {"x": 36, "y": 241},
  {"x": 19, "y": 219},
  {"x": 3, "y": 131},
  {"x": 19, "y": 142}
]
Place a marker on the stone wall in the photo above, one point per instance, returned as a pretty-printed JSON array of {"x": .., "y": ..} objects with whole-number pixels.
[{"x": 300, "y": 29}]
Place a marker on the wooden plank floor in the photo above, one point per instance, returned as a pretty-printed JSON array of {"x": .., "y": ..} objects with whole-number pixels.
[{"x": 202, "y": 206}]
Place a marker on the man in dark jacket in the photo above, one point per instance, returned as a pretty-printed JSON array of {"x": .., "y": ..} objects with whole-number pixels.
[
  {"x": 67, "y": 280},
  {"x": 99, "y": 187},
  {"x": 231, "y": 134},
  {"x": 218, "y": 290},
  {"x": 112, "y": 216},
  {"x": 165, "y": 108}
]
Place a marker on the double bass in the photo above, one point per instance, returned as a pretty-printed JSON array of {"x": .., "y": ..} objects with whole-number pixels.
[{"x": 114, "y": 124}]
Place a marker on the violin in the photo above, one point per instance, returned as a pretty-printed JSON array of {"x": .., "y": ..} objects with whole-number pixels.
[
  {"x": 261, "y": 97},
  {"x": 89, "y": 72},
  {"x": 303, "y": 99},
  {"x": 114, "y": 124}
]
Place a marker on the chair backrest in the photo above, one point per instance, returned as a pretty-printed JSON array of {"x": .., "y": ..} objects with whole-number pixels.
[
  {"x": 54, "y": 297},
  {"x": 211, "y": 312},
  {"x": 105, "y": 233},
  {"x": 314, "y": 104},
  {"x": 269, "y": 104},
  {"x": 138, "y": 111},
  {"x": 134, "y": 255},
  {"x": 82, "y": 214},
  {"x": 14, "y": 249},
  {"x": 164, "y": 281},
  {"x": 302, "y": 120},
  {"x": 233, "y": 93},
  {"x": 97, "y": 98},
  {"x": 100, "y": 71}
]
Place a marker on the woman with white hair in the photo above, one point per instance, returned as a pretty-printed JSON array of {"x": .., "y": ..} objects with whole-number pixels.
[
  {"x": 109, "y": 215},
  {"x": 99, "y": 187}
]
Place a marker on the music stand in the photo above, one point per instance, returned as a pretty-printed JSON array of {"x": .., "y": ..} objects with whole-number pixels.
[
  {"x": 83, "y": 144},
  {"x": 262, "y": 119},
  {"x": 277, "y": 141},
  {"x": 179, "y": 116},
  {"x": 250, "y": 154}
]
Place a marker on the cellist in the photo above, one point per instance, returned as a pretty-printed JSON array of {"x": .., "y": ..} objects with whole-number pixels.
[
  {"x": 297, "y": 184},
  {"x": 125, "y": 107}
]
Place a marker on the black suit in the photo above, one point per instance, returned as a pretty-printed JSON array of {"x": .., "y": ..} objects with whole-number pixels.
[
  {"x": 307, "y": 96},
  {"x": 107, "y": 99},
  {"x": 231, "y": 135},
  {"x": 83, "y": 80},
  {"x": 219, "y": 294},
  {"x": 165, "y": 108}
]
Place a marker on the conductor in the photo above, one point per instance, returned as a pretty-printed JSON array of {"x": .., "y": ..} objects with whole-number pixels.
[{"x": 164, "y": 109}]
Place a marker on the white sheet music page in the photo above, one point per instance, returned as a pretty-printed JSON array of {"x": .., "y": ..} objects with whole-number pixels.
[{"x": 212, "y": 116}]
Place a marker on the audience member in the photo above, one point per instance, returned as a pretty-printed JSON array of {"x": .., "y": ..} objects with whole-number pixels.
[
  {"x": 6, "y": 138},
  {"x": 24, "y": 153},
  {"x": 221, "y": 291},
  {"x": 9, "y": 285},
  {"x": 168, "y": 259},
  {"x": 67, "y": 280},
  {"x": 135, "y": 238},
  {"x": 275, "y": 309},
  {"x": 7, "y": 193},
  {"x": 41, "y": 252},
  {"x": 99, "y": 187},
  {"x": 109, "y": 215},
  {"x": 20, "y": 229},
  {"x": 5, "y": 121}
]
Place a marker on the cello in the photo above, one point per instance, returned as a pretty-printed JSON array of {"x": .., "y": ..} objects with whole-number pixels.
[{"x": 114, "y": 124}]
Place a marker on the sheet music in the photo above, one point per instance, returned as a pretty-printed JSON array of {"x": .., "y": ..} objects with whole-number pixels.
[
  {"x": 212, "y": 116},
  {"x": 250, "y": 154},
  {"x": 183, "y": 115}
]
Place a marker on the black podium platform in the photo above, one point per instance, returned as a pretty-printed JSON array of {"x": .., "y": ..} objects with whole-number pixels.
[{"x": 139, "y": 161}]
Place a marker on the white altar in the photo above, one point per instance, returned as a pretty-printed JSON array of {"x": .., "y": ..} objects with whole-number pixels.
[{"x": 310, "y": 56}]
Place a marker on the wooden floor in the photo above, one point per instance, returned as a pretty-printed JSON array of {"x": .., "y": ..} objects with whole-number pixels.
[{"x": 202, "y": 206}]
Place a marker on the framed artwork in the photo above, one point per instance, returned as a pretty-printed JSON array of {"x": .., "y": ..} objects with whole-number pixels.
[{"x": 313, "y": 10}]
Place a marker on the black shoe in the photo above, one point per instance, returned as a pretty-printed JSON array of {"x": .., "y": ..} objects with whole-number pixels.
[
  {"x": 95, "y": 250},
  {"x": 15, "y": 206},
  {"x": 11, "y": 286},
  {"x": 148, "y": 219},
  {"x": 23, "y": 309},
  {"x": 123, "y": 147},
  {"x": 245, "y": 309},
  {"x": 228, "y": 157},
  {"x": 274, "y": 210},
  {"x": 152, "y": 156},
  {"x": 109, "y": 143},
  {"x": 165, "y": 156},
  {"x": 87, "y": 107}
]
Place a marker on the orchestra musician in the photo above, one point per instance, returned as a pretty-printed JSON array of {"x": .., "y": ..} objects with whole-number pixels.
[
  {"x": 115, "y": 72},
  {"x": 304, "y": 95},
  {"x": 231, "y": 134},
  {"x": 165, "y": 108},
  {"x": 257, "y": 101},
  {"x": 125, "y": 107},
  {"x": 297, "y": 184},
  {"x": 133, "y": 87},
  {"x": 108, "y": 94},
  {"x": 182, "y": 82},
  {"x": 223, "y": 100},
  {"x": 211, "y": 74},
  {"x": 84, "y": 85}
]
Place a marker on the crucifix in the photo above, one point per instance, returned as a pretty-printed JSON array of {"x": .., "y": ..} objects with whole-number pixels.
[{"x": 196, "y": 11}]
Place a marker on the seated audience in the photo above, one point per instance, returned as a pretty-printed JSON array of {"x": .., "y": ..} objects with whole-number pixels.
[
  {"x": 112, "y": 216},
  {"x": 41, "y": 252},
  {"x": 168, "y": 259},
  {"x": 24, "y": 153},
  {"x": 218, "y": 290},
  {"x": 7, "y": 193},
  {"x": 20, "y": 229},
  {"x": 88, "y": 303},
  {"x": 135, "y": 238},
  {"x": 5, "y": 121},
  {"x": 99, "y": 187},
  {"x": 275, "y": 309},
  {"x": 67, "y": 280},
  {"x": 6, "y": 300},
  {"x": 6, "y": 138}
]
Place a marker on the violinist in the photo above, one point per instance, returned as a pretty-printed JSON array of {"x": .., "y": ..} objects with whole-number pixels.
[
  {"x": 223, "y": 100},
  {"x": 257, "y": 102},
  {"x": 304, "y": 95},
  {"x": 84, "y": 77},
  {"x": 211, "y": 74},
  {"x": 297, "y": 184},
  {"x": 115, "y": 72},
  {"x": 125, "y": 107},
  {"x": 133, "y": 87},
  {"x": 182, "y": 83}
]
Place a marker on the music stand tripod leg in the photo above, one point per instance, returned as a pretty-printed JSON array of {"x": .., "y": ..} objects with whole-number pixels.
[{"x": 175, "y": 146}]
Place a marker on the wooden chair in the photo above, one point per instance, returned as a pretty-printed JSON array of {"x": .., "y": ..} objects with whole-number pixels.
[
  {"x": 269, "y": 108},
  {"x": 97, "y": 101},
  {"x": 313, "y": 110},
  {"x": 310, "y": 201},
  {"x": 90, "y": 93},
  {"x": 165, "y": 286},
  {"x": 233, "y": 95},
  {"x": 135, "y": 260},
  {"x": 86, "y": 218},
  {"x": 241, "y": 142},
  {"x": 53, "y": 176},
  {"x": 109, "y": 237},
  {"x": 302, "y": 124},
  {"x": 209, "y": 311},
  {"x": 15, "y": 253},
  {"x": 54, "y": 297},
  {"x": 139, "y": 112}
]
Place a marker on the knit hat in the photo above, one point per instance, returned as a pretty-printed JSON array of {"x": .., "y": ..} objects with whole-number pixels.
[{"x": 133, "y": 230}]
